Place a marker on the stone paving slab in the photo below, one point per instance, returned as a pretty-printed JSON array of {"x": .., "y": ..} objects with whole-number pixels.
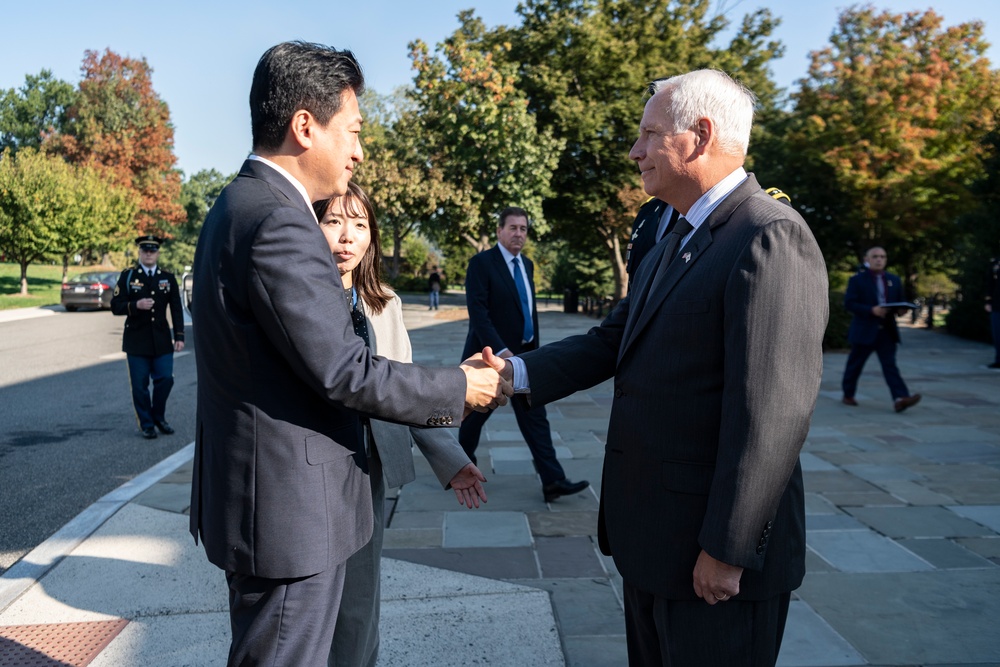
[
  {"x": 985, "y": 515},
  {"x": 879, "y": 473},
  {"x": 512, "y": 563},
  {"x": 959, "y": 452},
  {"x": 917, "y": 522},
  {"x": 945, "y": 554},
  {"x": 914, "y": 494},
  {"x": 863, "y": 551},
  {"x": 809, "y": 641},
  {"x": 564, "y": 523},
  {"x": 563, "y": 557},
  {"x": 912, "y": 618},
  {"x": 584, "y": 606},
  {"x": 486, "y": 529}
]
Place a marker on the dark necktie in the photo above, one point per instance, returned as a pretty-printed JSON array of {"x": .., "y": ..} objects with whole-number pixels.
[
  {"x": 673, "y": 240},
  {"x": 358, "y": 317},
  {"x": 680, "y": 230},
  {"x": 667, "y": 228},
  {"x": 522, "y": 292}
]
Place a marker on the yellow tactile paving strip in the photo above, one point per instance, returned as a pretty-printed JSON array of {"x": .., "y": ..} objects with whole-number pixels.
[{"x": 56, "y": 644}]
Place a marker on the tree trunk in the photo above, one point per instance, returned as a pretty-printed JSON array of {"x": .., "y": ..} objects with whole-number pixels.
[
  {"x": 614, "y": 247},
  {"x": 397, "y": 251},
  {"x": 65, "y": 267},
  {"x": 24, "y": 278}
]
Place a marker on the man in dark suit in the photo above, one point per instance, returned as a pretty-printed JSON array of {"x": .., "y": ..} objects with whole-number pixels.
[
  {"x": 716, "y": 355},
  {"x": 500, "y": 296},
  {"x": 280, "y": 495},
  {"x": 873, "y": 328},
  {"x": 144, "y": 294}
]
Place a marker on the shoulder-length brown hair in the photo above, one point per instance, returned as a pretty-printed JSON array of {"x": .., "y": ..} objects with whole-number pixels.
[{"x": 367, "y": 275}]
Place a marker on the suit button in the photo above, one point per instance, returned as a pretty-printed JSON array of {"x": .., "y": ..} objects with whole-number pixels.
[
  {"x": 448, "y": 421},
  {"x": 619, "y": 393},
  {"x": 760, "y": 550},
  {"x": 767, "y": 531},
  {"x": 762, "y": 542},
  {"x": 770, "y": 524}
]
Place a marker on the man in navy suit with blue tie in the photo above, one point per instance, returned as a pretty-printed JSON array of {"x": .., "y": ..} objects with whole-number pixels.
[
  {"x": 500, "y": 296},
  {"x": 873, "y": 328}
]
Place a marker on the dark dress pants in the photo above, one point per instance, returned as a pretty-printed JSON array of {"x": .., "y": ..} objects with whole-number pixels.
[
  {"x": 140, "y": 369},
  {"x": 681, "y": 633},
  {"x": 277, "y": 622},
  {"x": 356, "y": 638},
  {"x": 534, "y": 426},
  {"x": 885, "y": 348}
]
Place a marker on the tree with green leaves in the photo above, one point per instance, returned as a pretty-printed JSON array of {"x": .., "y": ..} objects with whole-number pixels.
[
  {"x": 34, "y": 112},
  {"x": 198, "y": 194},
  {"x": 398, "y": 172},
  {"x": 584, "y": 65},
  {"x": 482, "y": 137},
  {"x": 886, "y": 135},
  {"x": 49, "y": 207}
]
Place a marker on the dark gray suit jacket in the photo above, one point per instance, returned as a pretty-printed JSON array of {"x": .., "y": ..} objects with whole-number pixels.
[
  {"x": 716, "y": 378},
  {"x": 279, "y": 486}
]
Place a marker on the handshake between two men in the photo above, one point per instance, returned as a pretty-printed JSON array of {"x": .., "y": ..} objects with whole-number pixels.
[{"x": 487, "y": 382}]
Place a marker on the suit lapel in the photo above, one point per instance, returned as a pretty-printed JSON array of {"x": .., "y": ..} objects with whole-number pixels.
[
  {"x": 666, "y": 277},
  {"x": 264, "y": 172}
]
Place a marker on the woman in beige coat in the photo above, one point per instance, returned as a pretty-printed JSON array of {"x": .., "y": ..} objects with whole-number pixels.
[{"x": 350, "y": 227}]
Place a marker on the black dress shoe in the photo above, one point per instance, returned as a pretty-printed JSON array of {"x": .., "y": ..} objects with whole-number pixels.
[
  {"x": 149, "y": 433},
  {"x": 563, "y": 487},
  {"x": 905, "y": 402},
  {"x": 165, "y": 428}
]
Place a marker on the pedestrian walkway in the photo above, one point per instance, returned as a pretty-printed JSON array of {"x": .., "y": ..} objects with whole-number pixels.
[{"x": 903, "y": 516}]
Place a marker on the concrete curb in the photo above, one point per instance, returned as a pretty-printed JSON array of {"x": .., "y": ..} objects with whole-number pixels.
[{"x": 26, "y": 572}]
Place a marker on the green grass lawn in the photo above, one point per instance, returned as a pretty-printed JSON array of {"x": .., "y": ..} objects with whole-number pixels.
[{"x": 44, "y": 284}]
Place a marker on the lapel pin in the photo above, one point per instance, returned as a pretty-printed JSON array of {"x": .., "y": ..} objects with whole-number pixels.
[{"x": 687, "y": 257}]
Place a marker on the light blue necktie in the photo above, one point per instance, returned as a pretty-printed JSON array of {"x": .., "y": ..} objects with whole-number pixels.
[{"x": 522, "y": 291}]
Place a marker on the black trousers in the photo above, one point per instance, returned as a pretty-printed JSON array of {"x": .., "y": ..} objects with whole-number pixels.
[
  {"x": 685, "y": 633},
  {"x": 534, "y": 425},
  {"x": 278, "y": 622}
]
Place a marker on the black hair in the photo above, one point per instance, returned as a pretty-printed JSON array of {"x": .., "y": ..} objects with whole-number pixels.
[{"x": 299, "y": 75}]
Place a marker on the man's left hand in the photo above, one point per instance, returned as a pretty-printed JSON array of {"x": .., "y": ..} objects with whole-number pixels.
[
  {"x": 715, "y": 581},
  {"x": 178, "y": 345},
  {"x": 468, "y": 486}
]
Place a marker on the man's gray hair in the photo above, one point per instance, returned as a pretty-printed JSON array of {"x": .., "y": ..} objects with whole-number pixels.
[{"x": 708, "y": 93}]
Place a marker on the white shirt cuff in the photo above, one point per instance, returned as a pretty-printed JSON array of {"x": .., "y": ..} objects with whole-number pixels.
[{"x": 520, "y": 376}]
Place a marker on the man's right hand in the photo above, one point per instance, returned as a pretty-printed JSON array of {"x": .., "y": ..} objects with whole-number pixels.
[
  {"x": 485, "y": 389},
  {"x": 507, "y": 372},
  {"x": 880, "y": 311}
]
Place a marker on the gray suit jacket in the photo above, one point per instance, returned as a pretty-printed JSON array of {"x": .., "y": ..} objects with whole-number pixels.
[
  {"x": 716, "y": 377},
  {"x": 279, "y": 487},
  {"x": 389, "y": 339}
]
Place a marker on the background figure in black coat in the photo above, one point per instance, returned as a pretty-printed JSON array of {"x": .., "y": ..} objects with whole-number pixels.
[
  {"x": 993, "y": 307},
  {"x": 500, "y": 296},
  {"x": 873, "y": 328},
  {"x": 143, "y": 294}
]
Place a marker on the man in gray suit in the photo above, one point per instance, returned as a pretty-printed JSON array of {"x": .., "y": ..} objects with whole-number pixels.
[
  {"x": 280, "y": 495},
  {"x": 716, "y": 358}
]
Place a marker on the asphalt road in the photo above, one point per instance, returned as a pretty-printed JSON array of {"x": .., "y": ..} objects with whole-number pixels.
[{"x": 68, "y": 433}]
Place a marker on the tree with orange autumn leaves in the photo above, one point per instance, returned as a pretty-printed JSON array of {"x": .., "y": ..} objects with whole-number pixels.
[
  {"x": 885, "y": 138},
  {"x": 120, "y": 124}
]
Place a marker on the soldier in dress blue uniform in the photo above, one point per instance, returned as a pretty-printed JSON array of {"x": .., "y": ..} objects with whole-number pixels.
[{"x": 143, "y": 294}]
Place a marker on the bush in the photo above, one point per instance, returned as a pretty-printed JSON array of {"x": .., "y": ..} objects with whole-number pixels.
[{"x": 835, "y": 337}]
